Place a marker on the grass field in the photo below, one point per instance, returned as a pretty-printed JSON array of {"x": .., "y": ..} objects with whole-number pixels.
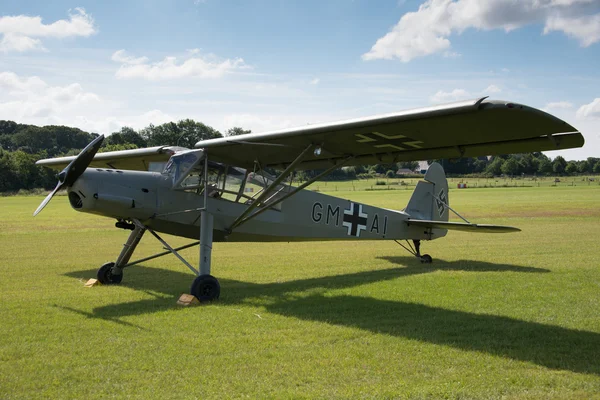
[{"x": 513, "y": 316}]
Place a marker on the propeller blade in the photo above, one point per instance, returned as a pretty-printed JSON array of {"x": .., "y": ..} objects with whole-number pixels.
[
  {"x": 47, "y": 199},
  {"x": 78, "y": 165},
  {"x": 69, "y": 175}
]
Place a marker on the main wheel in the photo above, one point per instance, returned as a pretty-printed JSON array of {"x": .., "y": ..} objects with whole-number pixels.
[
  {"x": 106, "y": 276},
  {"x": 426, "y": 259},
  {"x": 206, "y": 288}
]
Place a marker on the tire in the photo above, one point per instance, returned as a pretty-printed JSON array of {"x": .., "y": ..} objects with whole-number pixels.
[
  {"x": 426, "y": 259},
  {"x": 206, "y": 288},
  {"x": 106, "y": 277}
]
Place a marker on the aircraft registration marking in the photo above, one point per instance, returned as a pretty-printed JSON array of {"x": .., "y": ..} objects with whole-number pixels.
[{"x": 354, "y": 219}]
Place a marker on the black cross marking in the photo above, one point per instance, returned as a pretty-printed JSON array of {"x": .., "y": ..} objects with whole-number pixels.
[
  {"x": 381, "y": 140},
  {"x": 355, "y": 220}
]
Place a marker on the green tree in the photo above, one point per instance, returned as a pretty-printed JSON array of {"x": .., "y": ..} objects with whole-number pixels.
[
  {"x": 583, "y": 167},
  {"x": 236, "y": 131},
  {"x": 125, "y": 136},
  {"x": 185, "y": 133},
  {"x": 495, "y": 167},
  {"x": 412, "y": 165},
  {"x": 510, "y": 167},
  {"x": 558, "y": 165},
  {"x": 571, "y": 168},
  {"x": 545, "y": 167},
  {"x": 8, "y": 178},
  {"x": 596, "y": 168}
]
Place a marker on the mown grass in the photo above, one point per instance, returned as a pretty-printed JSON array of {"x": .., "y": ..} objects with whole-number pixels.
[{"x": 496, "y": 316}]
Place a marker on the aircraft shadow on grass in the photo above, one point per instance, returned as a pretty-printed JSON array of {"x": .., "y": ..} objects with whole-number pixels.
[{"x": 545, "y": 345}]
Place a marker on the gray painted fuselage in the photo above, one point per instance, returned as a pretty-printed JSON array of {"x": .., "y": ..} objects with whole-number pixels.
[{"x": 305, "y": 216}]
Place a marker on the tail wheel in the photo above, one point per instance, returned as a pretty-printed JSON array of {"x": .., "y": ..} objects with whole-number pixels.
[{"x": 426, "y": 259}]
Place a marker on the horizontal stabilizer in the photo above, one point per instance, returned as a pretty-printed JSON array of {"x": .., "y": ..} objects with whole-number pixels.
[{"x": 462, "y": 226}]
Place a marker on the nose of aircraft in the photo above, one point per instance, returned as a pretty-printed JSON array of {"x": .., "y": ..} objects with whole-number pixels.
[{"x": 115, "y": 193}]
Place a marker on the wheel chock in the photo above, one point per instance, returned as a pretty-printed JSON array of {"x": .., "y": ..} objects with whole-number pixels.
[
  {"x": 188, "y": 300},
  {"x": 92, "y": 282}
]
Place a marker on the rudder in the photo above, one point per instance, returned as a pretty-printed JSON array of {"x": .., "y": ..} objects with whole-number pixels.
[{"x": 430, "y": 197}]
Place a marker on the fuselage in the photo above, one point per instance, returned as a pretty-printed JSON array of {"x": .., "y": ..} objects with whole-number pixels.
[{"x": 306, "y": 215}]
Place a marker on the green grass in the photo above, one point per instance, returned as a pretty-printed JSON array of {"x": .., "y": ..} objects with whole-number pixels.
[{"x": 496, "y": 316}]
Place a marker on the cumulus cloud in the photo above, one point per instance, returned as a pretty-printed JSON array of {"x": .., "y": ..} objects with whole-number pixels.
[
  {"x": 461, "y": 94},
  {"x": 591, "y": 110},
  {"x": 121, "y": 56},
  {"x": 492, "y": 89},
  {"x": 22, "y": 33},
  {"x": 447, "y": 97},
  {"x": 30, "y": 97},
  {"x": 195, "y": 65},
  {"x": 427, "y": 30},
  {"x": 558, "y": 105}
]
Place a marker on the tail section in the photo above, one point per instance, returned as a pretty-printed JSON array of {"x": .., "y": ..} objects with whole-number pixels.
[{"x": 430, "y": 199}]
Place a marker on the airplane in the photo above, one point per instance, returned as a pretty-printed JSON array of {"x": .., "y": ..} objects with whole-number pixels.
[{"x": 221, "y": 191}]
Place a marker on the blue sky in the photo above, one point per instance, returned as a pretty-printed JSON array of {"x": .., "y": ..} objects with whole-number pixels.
[{"x": 266, "y": 65}]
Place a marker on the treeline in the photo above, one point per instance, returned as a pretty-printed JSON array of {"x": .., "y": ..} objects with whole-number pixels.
[
  {"x": 509, "y": 165},
  {"x": 21, "y": 145}
]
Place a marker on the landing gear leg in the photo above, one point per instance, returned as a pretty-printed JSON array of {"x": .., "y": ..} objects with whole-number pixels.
[
  {"x": 425, "y": 258},
  {"x": 416, "y": 251},
  {"x": 112, "y": 273},
  {"x": 205, "y": 287}
]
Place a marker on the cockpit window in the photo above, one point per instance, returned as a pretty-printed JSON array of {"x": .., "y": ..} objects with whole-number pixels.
[{"x": 179, "y": 165}]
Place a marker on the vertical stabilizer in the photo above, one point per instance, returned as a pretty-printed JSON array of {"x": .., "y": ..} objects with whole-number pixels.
[{"x": 430, "y": 197}]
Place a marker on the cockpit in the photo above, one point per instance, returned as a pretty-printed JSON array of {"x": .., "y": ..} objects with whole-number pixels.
[{"x": 186, "y": 172}]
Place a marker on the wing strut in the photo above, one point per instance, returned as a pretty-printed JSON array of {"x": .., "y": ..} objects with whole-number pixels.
[
  {"x": 296, "y": 190},
  {"x": 270, "y": 188}
]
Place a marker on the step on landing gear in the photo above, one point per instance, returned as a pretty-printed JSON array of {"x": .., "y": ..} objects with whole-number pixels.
[{"x": 416, "y": 251}]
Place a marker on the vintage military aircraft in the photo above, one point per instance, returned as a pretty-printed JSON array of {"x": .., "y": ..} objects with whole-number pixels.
[{"x": 220, "y": 191}]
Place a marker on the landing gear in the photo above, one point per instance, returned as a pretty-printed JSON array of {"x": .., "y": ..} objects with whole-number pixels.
[
  {"x": 426, "y": 259},
  {"x": 416, "y": 251},
  {"x": 206, "y": 288},
  {"x": 108, "y": 274}
]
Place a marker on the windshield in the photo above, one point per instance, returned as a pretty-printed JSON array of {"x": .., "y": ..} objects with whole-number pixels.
[{"x": 180, "y": 164}]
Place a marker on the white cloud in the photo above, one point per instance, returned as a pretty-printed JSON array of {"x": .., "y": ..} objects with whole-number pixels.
[
  {"x": 446, "y": 97},
  {"x": 584, "y": 28},
  {"x": 20, "y": 32},
  {"x": 196, "y": 65},
  {"x": 451, "y": 54},
  {"x": 558, "y": 105},
  {"x": 591, "y": 110},
  {"x": 426, "y": 31},
  {"x": 492, "y": 89},
  {"x": 315, "y": 81},
  {"x": 256, "y": 123},
  {"x": 111, "y": 124},
  {"x": 30, "y": 98},
  {"x": 122, "y": 57},
  {"x": 461, "y": 94}
]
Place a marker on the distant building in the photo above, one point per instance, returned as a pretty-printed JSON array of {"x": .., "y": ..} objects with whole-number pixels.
[{"x": 405, "y": 171}]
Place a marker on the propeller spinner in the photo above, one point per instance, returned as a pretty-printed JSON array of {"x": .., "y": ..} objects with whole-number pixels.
[{"x": 73, "y": 171}]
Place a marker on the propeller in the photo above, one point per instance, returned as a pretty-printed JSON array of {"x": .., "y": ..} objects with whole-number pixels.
[{"x": 69, "y": 175}]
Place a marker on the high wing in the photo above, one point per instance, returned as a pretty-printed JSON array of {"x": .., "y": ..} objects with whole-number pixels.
[
  {"x": 136, "y": 159},
  {"x": 461, "y": 226},
  {"x": 464, "y": 129}
]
